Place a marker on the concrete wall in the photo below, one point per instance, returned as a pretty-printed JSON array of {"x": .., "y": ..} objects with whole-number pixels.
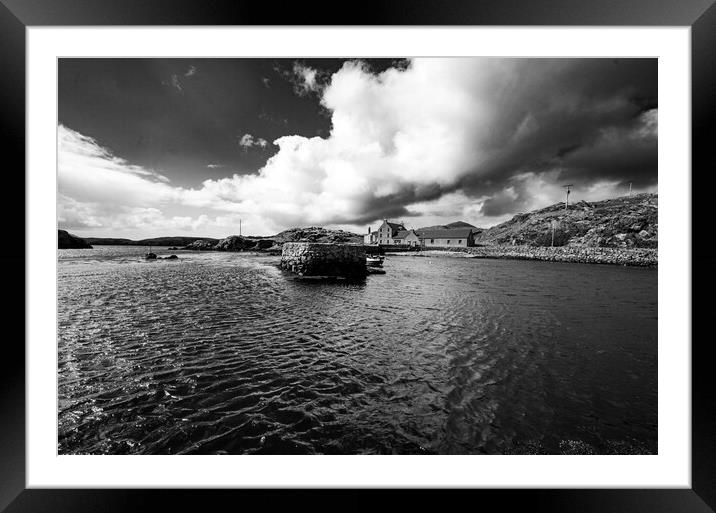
[{"x": 320, "y": 259}]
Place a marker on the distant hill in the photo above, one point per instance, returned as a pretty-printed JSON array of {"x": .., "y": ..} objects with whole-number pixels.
[
  {"x": 66, "y": 240},
  {"x": 239, "y": 243},
  {"x": 157, "y": 241},
  {"x": 456, "y": 224},
  {"x": 97, "y": 241},
  {"x": 627, "y": 221}
]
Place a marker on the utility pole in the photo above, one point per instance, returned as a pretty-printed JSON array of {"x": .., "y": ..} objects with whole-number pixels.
[
  {"x": 629, "y": 188},
  {"x": 239, "y": 227},
  {"x": 566, "y": 203}
]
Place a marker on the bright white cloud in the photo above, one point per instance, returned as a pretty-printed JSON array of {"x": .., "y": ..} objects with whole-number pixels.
[
  {"x": 90, "y": 173},
  {"x": 102, "y": 194}
]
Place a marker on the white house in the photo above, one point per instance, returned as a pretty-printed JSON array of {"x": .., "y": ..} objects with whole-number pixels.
[{"x": 385, "y": 234}]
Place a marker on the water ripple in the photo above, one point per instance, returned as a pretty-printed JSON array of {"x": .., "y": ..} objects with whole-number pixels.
[{"x": 222, "y": 353}]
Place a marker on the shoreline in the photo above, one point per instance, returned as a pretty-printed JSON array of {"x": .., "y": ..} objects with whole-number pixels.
[{"x": 636, "y": 257}]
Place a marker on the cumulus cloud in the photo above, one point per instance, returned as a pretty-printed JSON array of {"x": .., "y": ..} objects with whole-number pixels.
[
  {"x": 478, "y": 126},
  {"x": 248, "y": 141},
  {"x": 478, "y": 139}
]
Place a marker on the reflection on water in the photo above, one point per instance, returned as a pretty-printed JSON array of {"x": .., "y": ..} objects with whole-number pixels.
[{"x": 224, "y": 353}]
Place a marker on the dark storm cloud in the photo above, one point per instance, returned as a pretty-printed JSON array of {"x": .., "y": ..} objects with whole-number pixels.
[{"x": 582, "y": 121}]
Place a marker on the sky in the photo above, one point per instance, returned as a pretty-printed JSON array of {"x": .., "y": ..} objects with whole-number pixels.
[{"x": 166, "y": 147}]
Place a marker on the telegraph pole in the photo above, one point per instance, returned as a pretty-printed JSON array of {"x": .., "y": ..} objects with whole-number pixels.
[
  {"x": 566, "y": 203},
  {"x": 239, "y": 227},
  {"x": 629, "y": 188}
]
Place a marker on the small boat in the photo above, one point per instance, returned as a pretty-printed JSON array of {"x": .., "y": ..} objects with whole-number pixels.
[{"x": 374, "y": 261}]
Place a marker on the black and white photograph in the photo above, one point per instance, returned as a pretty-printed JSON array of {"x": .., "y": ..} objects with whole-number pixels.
[{"x": 380, "y": 256}]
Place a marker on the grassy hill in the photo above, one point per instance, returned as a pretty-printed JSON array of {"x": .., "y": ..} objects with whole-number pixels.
[
  {"x": 456, "y": 224},
  {"x": 625, "y": 222}
]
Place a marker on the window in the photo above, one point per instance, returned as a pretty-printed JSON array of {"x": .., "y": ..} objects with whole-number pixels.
[
  {"x": 448, "y": 241},
  {"x": 432, "y": 241},
  {"x": 460, "y": 241}
]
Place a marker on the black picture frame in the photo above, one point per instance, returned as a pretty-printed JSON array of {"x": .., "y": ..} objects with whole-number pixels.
[{"x": 17, "y": 15}]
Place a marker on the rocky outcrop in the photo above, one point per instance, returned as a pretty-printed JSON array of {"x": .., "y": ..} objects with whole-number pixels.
[
  {"x": 317, "y": 234},
  {"x": 66, "y": 240},
  {"x": 322, "y": 259},
  {"x": 626, "y": 222},
  {"x": 235, "y": 243},
  {"x": 201, "y": 245}
]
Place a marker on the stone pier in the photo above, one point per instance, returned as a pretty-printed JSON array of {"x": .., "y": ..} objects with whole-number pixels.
[{"x": 321, "y": 259}]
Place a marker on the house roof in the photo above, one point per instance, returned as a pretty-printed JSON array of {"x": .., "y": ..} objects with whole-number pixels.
[
  {"x": 402, "y": 234},
  {"x": 450, "y": 233},
  {"x": 395, "y": 226}
]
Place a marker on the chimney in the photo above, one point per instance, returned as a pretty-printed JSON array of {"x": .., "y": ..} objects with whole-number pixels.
[{"x": 369, "y": 230}]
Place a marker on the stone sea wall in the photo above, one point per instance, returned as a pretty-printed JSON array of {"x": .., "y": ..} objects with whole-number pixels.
[
  {"x": 323, "y": 259},
  {"x": 642, "y": 257}
]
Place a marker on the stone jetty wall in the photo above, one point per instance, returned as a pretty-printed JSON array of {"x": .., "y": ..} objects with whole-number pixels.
[
  {"x": 323, "y": 259},
  {"x": 641, "y": 257}
]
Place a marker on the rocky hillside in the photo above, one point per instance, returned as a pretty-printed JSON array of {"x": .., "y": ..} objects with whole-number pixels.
[
  {"x": 316, "y": 234},
  {"x": 274, "y": 243},
  {"x": 625, "y": 222},
  {"x": 66, "y": 240},
  {"x": 239, "y": 243}
]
